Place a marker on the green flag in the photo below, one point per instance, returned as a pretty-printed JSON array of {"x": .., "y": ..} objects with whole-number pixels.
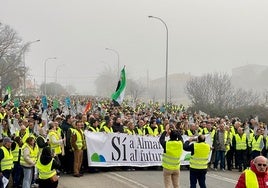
[
  {"x": 7, "y": 96},
  {"x": 118, "y": 95}
]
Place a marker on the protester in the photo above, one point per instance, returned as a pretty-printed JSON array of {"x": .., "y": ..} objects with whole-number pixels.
[
  {"x": 198, "y": 161},
  {"x": 229, "y": 154},
  {"x": 6, "y": 158},
  {"x": 152, "y": 129},
  {"x": 149, "y": 119},
  {"x": 68, "y": 157},
  {"x": 28, "y": 160},
  {"x": 118, "y": 125},
  {"x": 47, "y": 165},
  {"x": 256, "y": 176},
  {"x": 78, "y": 145},
  {"x": 240, "y": 143},
  {"x": 93, "y": 125},
  {"x": 17, "y": 170},
  {"x": 139, "y": 129},
  {"x": 219, "y": 144},
  {"x": 193, "y": 130},
  {"x": 130, "y": 128},
  {"x": 55, "y": 141},
  {"x": 108, "y": 126},
  {"x": 171, "y": 156},
  {"x": 258, "y": 144}
]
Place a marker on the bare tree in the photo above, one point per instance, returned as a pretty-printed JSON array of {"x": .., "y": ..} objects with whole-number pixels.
[
  {"x": 242, "y": 98},
  {"x": 9, "y": 41},
  {"x": 134, "y": 89},
  {"x": 214, "y": 94},
  {"x": 209, "y": 89},
  {"x": 11, "y": 50}
]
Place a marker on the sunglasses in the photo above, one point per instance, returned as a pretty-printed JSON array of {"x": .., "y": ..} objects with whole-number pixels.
[{"x": 262, "y": 165}]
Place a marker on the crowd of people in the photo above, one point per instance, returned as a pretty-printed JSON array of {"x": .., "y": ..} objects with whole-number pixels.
[{"x": 39, "y": 142}]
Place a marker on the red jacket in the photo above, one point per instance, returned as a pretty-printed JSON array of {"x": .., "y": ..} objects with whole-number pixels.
[{"x": 262, "y": 178}]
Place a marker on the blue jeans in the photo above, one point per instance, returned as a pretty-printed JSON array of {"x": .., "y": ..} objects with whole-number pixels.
[
  {"x": 199, "y": 175},
  {"x": 220, "y": 156},
  {"x": 28, "y": 176}
]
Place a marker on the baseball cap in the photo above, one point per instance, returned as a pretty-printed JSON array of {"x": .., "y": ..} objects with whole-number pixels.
[{"x": 6, "y": 140}]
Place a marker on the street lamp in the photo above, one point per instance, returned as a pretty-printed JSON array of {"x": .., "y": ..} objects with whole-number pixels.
[
  {"x": 166, "y": 55},
  {"x": 24, "y": 74},
  {"x": 118, "y": 65},
  {"x": 45, "y": 74}
]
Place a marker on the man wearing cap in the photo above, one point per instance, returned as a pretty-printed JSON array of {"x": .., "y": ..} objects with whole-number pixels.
[{"x": 6, "y": 158}]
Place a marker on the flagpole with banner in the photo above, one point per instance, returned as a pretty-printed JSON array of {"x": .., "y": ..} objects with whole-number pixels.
[
  {"x": 7, "y": 96},
  {"x": 118, "y": 95}
]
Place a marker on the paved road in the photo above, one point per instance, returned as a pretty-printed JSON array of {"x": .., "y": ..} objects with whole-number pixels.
[{"x": 144, "y": 179}]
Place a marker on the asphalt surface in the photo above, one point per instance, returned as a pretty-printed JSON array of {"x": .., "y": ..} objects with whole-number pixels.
[{"x": 144, "y": 179}]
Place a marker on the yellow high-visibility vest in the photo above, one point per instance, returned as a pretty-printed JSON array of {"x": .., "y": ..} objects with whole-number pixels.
[
  {"x": 108, "y": 129},
  {"x": 31, "y": 134},
  {"x": 200, "y": 130},
  {"x": 33, "y": 154},
  {"x": 59, "y": 132},
  {"x": 93, "y": 129},
  {"x": 86, "y": 123},
  {"x": 161, "y": 128},
  {"x": 212, "y": 134},
  {"x": 251, "y": 179},
  {"x": 199, "y": 159},
  {"x": 2, "y": 116},
  {"x": 233, "y": 130},
  {"x": 102, "y": 124},
  {"x": 79, "y": 139},
  {"x": 129, "y": 132},
  {"x": 7, "y": 161},
  {"x": 250, "y": 137},
  {"x": 55, "y": 147},
  {"x": 258, "y": 144},
  {"x": 140, "y": 131},
  {"x": 230, "y": 137},
  {"x": 241, "y": 142},
  {"x": 15, "y": 152},
  {"x": 23, "y": 137},
  {"x": 152, "y": 132},
  {"x": 45, "y": 171},
  {"x": 5, "y": 133},
  {"x": 171, "y": 159}
]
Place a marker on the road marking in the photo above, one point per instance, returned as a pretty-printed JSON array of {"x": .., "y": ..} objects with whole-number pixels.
[
  {"x": 124, "y": 179},
  {"x": 222, "y": 178},
  {"x": 110, "y": 176}
]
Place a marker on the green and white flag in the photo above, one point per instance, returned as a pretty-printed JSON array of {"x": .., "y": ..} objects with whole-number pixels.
[
  {"x": 7, "y": 96},
  {"x": 118, "y": 95}
]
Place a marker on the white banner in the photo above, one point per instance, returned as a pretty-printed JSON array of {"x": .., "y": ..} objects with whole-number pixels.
[{"x": 116, "y": 149}]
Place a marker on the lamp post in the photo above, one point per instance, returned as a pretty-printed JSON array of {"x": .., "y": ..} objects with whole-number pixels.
[
  {"x": 166, "y": 54},
  {"x": 45, "y": 74},
  {"x": 118, "y": 65},
  {"x": 24, "y": 75}
]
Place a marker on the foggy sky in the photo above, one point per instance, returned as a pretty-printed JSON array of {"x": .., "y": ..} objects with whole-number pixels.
[{"x": 204, "y": 36}]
